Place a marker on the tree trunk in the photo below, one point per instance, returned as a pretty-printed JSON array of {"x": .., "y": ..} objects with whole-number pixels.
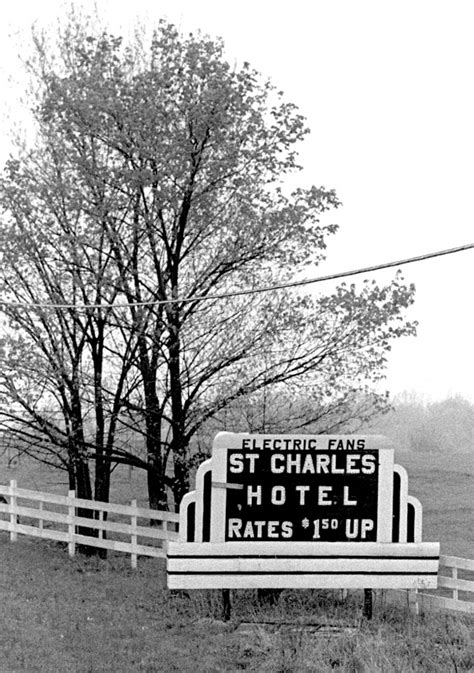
[
  {"x": 102, "y": 479},
  {"x": 101, "y": 493},
  {"x": 157, "y": 495},
  {"x": 84, "y": 491},
  {"x": 82, "y": 474},
  {"x": 178, "y": 443},
  {"x": 83, "y": 479},
  {"x": 181, "y": 476}
]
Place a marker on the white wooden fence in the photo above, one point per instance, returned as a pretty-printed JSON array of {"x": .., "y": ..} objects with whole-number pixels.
[
  {"x": 122, "y": 528},
  {"x": 128, "y": 529},
  {"x": 461, "y": 588}
]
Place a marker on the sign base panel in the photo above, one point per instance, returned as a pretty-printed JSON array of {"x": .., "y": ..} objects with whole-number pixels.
[
  {"x": 263, "y": 565},
  {"x": 266, "y": 581}
]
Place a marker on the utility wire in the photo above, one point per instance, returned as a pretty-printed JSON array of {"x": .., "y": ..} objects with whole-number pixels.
[{"x": 257, "y": 290}]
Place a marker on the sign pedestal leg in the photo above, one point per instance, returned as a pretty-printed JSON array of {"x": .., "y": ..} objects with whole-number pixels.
[
  {"x": 226, "y": 605},
  {"x": 368, "y": 603}
]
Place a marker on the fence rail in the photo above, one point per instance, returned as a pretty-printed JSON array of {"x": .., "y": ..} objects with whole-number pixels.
[{"x": 129, "y": 529}]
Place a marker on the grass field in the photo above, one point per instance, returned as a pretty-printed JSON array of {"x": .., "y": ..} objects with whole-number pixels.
[
  {"x": 444, "y": 484},
  {"x": 87, "y": 615}
]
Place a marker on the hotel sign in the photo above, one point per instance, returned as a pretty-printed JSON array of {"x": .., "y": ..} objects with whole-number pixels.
[{"x": 301, "y": 511}]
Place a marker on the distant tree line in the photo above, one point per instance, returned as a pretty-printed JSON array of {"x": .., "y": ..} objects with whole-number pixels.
[{"x": 442, "y": 426}]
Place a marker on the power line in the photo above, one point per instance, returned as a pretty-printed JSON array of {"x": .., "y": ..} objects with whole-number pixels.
[{"x": 257, "y": 290}]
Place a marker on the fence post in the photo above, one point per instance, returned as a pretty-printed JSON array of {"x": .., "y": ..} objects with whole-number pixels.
[
  {"x": 101, "y": 519},
  {"x": 40, "y": 520},
  {"x": 13, "y": 511},
  {"x": 70, "y": 523},
  {"x": 133, "y": 537},
  {"x": 417, "y": 602},
  {"x": 454, "y": 573}
]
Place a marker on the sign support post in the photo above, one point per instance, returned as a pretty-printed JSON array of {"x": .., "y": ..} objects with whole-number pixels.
[
  {"x": 226, "y": 605},
  {"x": 368, "y": 605}
]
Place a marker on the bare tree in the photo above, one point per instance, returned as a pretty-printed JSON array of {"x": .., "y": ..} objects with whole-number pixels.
[{"x": 176, "y": 162}]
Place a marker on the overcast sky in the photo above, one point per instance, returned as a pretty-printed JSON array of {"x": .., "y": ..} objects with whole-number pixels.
[{"x": 386, "y": 87}]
